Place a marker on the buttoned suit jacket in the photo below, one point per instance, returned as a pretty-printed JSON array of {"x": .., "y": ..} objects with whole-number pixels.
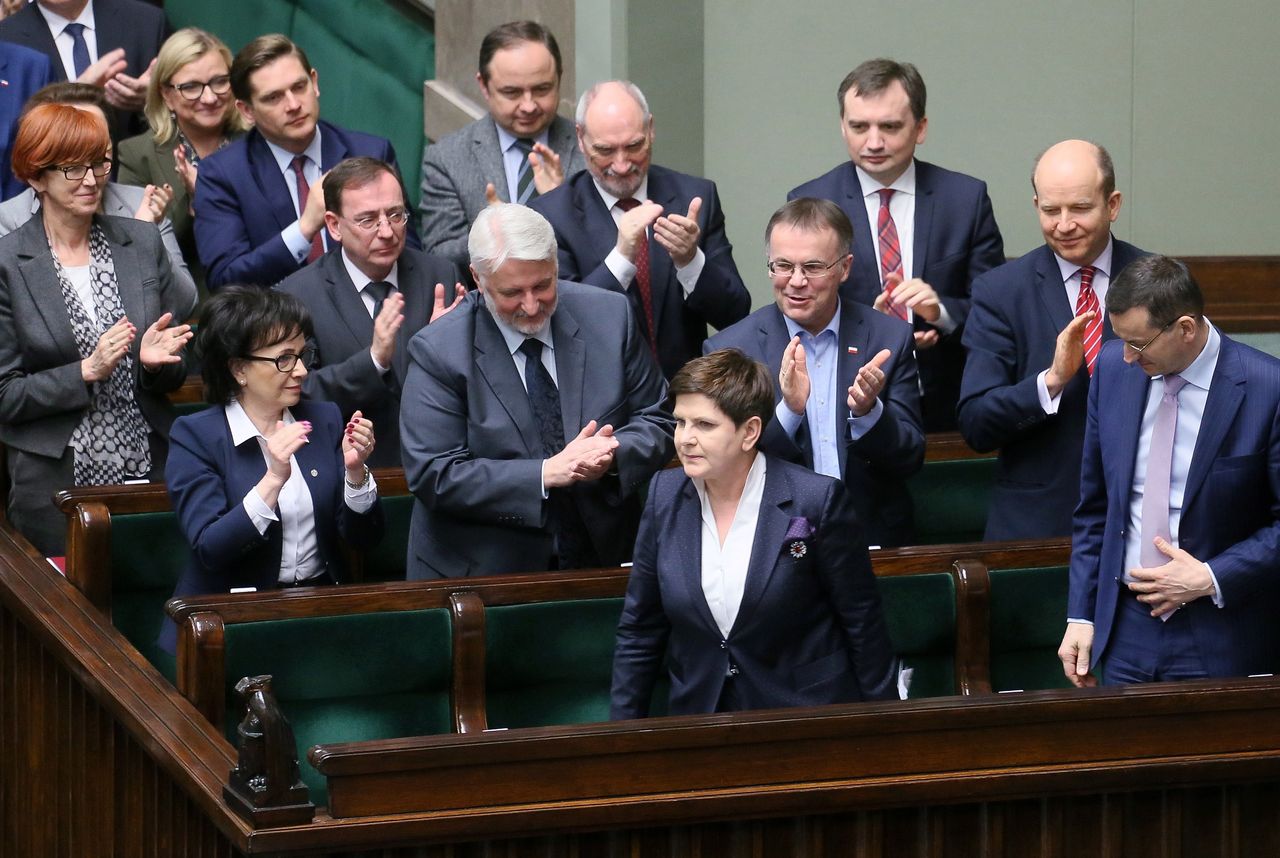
[
  {"x": 586, "y": 233},
  {"x": 455, "y": 170},
  {"x": 1018, "y": 311},
  {"x": 118, "y": 201},
  {"x": 877, "y": 465},
  {"x": 24, "y": 70},
  {"x": 344, "y": 372},
  {"x": 809, "y": 631},
  {"x": 1230, "y": 507},
  {"x": 473, "y": 451},
  {"x": 208, "y": 478},
  {"x": 242, "y": 204},
  {"x": 955, "y": 240},
  {"x": 140, "y": 28}
]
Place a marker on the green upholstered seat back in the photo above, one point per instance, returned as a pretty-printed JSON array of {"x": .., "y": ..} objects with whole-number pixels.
[
  {"x": 386, "y": 560},
  {"x": 148, "y": 554},
  {"x": 348, "y": 677},
  {"x": 551, "y": 662},
  {"x": 920, "y": 612},
  {"x": 951, "y": 499},
  {"x": 1028, "y": 614}
]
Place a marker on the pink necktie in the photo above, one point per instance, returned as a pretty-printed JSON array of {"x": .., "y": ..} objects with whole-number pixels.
[
  {"x": 304, "y": 191},
  {"x": 1155, "y": 494},
  {"x": 1088, "y": 302}
]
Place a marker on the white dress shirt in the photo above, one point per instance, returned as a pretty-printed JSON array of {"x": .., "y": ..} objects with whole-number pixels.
[
  {"x": 623, "y": 269},
  {"x": 513, "y": 159},
  {"x": 725, "y": 565},
  {"x": 299, "y": 556},
  {"x": 362, "y": 281},
  {"x": 1071, "y": 283},
  {"x": 514, "y": 339},
  {"x": 62, "y": 39},
  {"x": 292, "y": 234}
]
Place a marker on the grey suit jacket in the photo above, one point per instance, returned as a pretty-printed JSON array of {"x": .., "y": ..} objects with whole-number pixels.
[
  {"x": 473, "y": 451},
  {"x": 42, "y": 395},
  {"x": 344, "y": 372},
  {"x": 118, "y": 201},
  {"x": 455, "y": 170}
]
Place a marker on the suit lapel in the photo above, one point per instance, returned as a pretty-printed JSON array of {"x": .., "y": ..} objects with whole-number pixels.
[
  {"x": 774, "y": 339},
  {"x": 923, "y": 221},
  {"x": 124, "y": 257},
  {"x": 333, "y": 146},
  {"x": 1226, "y": 394},
  {"x": 854, "y": 334},
  {"x": 419, "y": 296},
  {"x": 38, "y": 36},
  {"x": 269, "y": 179},
  {"x": 597, "y": 224},
  {"x": 346, "y": 300},
  {"x": 487, "y": 150},
  {"x": 662, "y": 269},
  {"x": 41, "y": 281},
  {"x": 866, "y": 266},
  {"x": 571, "y": 358},
  {"x": 1130, "y": 403},
  {"x": 114, "y": 203},
  {"x": 1053, "y": 295},
  {"x": 766, "y": 550},
  {"x": 499, "y": 371},
  {"x": 563, "y": 139},
  {"x": 687, "y": 526}
]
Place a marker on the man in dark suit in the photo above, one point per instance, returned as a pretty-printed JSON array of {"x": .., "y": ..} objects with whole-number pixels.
[
  {"x": 848, "y": 402},
  {"x": 1174, "y": 556},
  {"x": 259, "y": 204},
  {"x": 652, "y": 233},
  {"x": 521, "y": 149},
  {"x": 368, "y": 296},
  {"x": 108, "y": 43},
  {"x": 921, "y": 233},
  {"x": 1033, "y": 336},
  {"x": 531, "y": 416},
  {"x": 23, "y": 71}
]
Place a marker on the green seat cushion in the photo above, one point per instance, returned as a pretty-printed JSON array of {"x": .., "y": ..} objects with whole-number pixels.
[
  {"x": 350, "y": 677},
  {"x": 1028, "y": 614},
  {"x": 951, "y": 499},
  {"x": 920, "y": 612},
  {"x": 386, "y": 560},
  {"x": 148, "y": 554},
  {"x": 550, "y": 663}
]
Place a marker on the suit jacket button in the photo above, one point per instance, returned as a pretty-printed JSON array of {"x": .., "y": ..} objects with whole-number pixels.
[
  {"x": 724, "y": 644},
  {"x": 733, "y": 671}
]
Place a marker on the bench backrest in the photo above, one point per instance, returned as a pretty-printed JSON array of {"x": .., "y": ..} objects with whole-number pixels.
[{"x": 951, "y": 499}]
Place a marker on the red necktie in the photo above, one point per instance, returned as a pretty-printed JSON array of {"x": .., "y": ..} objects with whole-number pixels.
[
  {"x": 1088, "y": 302},
  {"x": 890, "y": 252},
  {"x": 304, "y": 190},
  {"x": 642, "y": 277}
]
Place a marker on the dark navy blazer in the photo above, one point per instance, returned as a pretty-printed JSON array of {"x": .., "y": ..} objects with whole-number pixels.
[
  {"x": 242, "y": 203},
  {"x": 1230, "y": 508},
  {"x": 810, "y": 629},
  {"x": 956, "y": 239},
  {"x": 22, "y": 72},
  {"x": 1018, "y": 311}
]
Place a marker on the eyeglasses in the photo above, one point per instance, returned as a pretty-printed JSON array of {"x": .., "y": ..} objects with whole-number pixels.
[
  {"x": 287, "y": 361},
  {"x": 369, "y": 223},
  {"x": 76, "y": 172},
  {"x": 810, "y": 270},
  {"x": 193, "y": 90},
  {"x": 1140, "y": 349}
]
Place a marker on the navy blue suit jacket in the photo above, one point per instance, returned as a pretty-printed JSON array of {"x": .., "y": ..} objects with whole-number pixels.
[
  {"x": 810, "y": 629},
  {"x": 139, "y": 28},
  {"x": 344, "y": 372},
  {"x": 1018, "y": 311},
  {"x": 876, "y": 466},
  {"x": 23, "y": 70},
  {"x": 1230, "y": 509},
  {"x": 208, "y": 478},
  {"x": 956, "y": 239},
  {"x": 585, "y": 232},
  {"x": 242, "y": 203}
]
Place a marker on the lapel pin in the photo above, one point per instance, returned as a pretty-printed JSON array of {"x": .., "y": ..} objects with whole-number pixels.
[
  {"x": 314, "y": 472},
  {"x": 853, "y": 350}
]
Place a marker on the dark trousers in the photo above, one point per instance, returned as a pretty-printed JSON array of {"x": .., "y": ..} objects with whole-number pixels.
[{"x": 1143, "y": 648}]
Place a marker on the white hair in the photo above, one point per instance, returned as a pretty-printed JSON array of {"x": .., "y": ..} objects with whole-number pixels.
[
  {"x": 507, "y": 231},
  {"x": 580, "y": 115}
]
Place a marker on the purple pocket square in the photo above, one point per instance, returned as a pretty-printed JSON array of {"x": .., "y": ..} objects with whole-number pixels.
[{"x": 799, "y": 528}]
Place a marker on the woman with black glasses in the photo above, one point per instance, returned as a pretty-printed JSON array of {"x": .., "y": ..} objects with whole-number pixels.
[
  {"x": 264, "y": 483},
  {"x": 87, "y": 348}
]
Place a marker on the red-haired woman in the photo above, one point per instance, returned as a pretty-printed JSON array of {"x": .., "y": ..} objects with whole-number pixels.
[{"x": 87, "y": 344}]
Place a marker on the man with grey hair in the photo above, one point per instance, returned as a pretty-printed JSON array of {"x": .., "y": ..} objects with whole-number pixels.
[
  {"x": 531, "y": 416},
  {"x": 651, "y": 233}
]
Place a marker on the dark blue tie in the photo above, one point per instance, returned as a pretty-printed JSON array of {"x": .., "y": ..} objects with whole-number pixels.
[
  {"x": 572, "y": 540},
  {"x": 79, "y": 48},
  {"x": 380, "y": 291}
]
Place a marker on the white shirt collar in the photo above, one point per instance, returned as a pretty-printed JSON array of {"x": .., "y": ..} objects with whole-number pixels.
[
  {"x": 506, "y": 139},
  {"x": 242, "y": 428},
  {"x": 641, "y": 194},
  {"x": 361, "y": 280},
  {"x": 752, "y": 490},
  {"x": 906, "y": 183},
  {"x": 57, "y": 23},
  {"x": 1200, "y": 371},
  {"x": 794, "y": 329},
  {"x": 1102, "y": 263},
  {"x": 284, "y": 158},
  {"x": 514, "y": 339}
]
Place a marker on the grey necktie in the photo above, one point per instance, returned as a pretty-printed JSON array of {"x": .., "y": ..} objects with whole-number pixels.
[
  {"x": 525, "y": 189},
  {"x": 380, "y": 290},
  {"x": 1155, "y": 495}
]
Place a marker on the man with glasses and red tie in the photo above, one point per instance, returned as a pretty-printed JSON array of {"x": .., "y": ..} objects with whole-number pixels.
[
  {"x": 921, "y": 232},
  {"x": 1176, "y": 538},
  {"x": 368, "y": 296},
  {"x": 1033, "y": 336},
  {"x": 848, "y": 396}
]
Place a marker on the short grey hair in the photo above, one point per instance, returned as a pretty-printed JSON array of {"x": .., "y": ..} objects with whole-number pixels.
[
  {"x": 507, "y": 231},
  {"x": 584, "y": 103}
]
